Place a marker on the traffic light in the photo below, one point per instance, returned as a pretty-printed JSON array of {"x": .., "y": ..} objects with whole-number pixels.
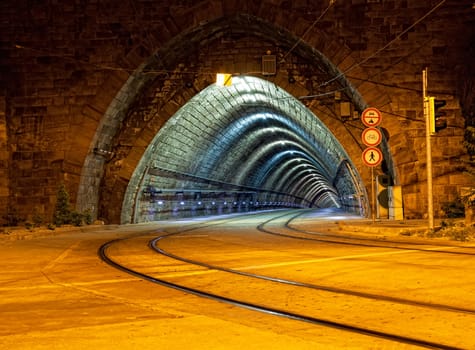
[{"x": 437, "y": 121}]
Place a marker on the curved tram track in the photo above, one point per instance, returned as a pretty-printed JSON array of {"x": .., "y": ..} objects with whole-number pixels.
[{"x": 280, "y": 225}]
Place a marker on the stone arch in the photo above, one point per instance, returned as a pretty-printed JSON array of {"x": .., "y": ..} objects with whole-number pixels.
[{"x": 110, "y": 164}]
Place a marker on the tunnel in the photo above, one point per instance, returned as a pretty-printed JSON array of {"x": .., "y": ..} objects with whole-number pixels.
[
  {"x": 244, "y": 147},
  {"x": 173, "y": 143},
  {"x": 88, "y": 88}
]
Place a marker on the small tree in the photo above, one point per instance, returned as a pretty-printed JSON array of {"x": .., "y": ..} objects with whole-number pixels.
[{"x": 62, "y": 212}]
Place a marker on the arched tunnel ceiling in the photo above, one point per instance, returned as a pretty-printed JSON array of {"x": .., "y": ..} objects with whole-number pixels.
[{"x": 250, "y": 136}]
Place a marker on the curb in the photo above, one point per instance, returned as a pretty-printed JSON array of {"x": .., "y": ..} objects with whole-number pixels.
[
  {"x": 20, "y": 234},
  {"x": 386, "y": 229}
]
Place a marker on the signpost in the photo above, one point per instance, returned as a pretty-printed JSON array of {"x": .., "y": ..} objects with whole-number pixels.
[
  {"x": 372, "y": 156},
  {"x": 425, "y": 103},
  {"x": 371, "y": 117},
  {"x": 372, "y": 137}
]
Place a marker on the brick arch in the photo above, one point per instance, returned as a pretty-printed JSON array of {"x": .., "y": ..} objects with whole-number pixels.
[{"x": 141, "y": 107}]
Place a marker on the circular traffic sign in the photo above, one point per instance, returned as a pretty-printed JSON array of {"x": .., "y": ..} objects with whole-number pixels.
[
  {"x": 372, "y": 156},
  {"x": 371, "y": 137},
  {"x": 371, "y": 117}
]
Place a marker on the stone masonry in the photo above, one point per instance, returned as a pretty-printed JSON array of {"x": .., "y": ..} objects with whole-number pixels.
[{"x": 78, "y": 75}]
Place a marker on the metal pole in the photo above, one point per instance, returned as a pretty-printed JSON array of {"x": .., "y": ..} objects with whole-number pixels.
[
  {"x": 430, "y": 200},
  {"x": 373, "y": 206}
]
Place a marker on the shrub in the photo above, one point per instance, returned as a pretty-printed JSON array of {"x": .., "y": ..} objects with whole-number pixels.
[
  {"x": 76, "y": 218},
  {"x": 37, "y": 219},
  {"x": 62, "y": 212},
  {"x": 454, "y": 209},
  {"x": 87, "y": 216},
  {"x": 453, "y": 231}
]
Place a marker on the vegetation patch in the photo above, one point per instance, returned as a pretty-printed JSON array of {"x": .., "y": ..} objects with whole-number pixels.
[
  {"x": 63, "y": 215},
  {"x": 456, "y": 231}
]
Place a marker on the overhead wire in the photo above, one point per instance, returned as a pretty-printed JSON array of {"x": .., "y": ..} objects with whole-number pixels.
[
  {"x": 377, "y": 52},
  {"x": 162, "y": 71},
  {"x": 130, "y": 71},
  {"x": 314, "y": 23}
]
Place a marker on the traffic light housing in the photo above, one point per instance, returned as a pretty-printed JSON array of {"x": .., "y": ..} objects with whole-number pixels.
[{"x": 437, "y": 121}]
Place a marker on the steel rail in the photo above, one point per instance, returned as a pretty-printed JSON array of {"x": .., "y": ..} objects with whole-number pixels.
[
  {"x": 153, "y": 244},
  {"x": 102, "y": 252},
  {"x": 360, "y": 241}
]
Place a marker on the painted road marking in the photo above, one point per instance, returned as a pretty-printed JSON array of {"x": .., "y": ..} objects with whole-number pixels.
[{"x": 61, "y": 257}]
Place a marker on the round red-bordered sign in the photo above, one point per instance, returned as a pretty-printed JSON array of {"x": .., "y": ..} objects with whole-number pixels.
[
  {"x": 372, "y": 156},
  {"x": 371, "y": 117},
  {"x": 371, "y": 137}
]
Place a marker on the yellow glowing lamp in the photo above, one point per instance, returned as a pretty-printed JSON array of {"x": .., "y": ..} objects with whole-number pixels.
[{"x": 224, "y": 79}]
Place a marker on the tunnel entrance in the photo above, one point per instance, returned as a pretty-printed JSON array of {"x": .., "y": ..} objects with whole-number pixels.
[
  {"x": 172, "y": 137},
  {"x": 248, "y": 146}
]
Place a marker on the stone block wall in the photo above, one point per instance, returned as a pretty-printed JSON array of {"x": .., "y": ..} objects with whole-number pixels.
[
  {"x": 64, "y": 64},
  {"x": 4, "y": 161}
]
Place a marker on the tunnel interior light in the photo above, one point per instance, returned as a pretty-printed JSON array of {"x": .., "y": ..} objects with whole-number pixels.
[{"x": 224, "y": 79}]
